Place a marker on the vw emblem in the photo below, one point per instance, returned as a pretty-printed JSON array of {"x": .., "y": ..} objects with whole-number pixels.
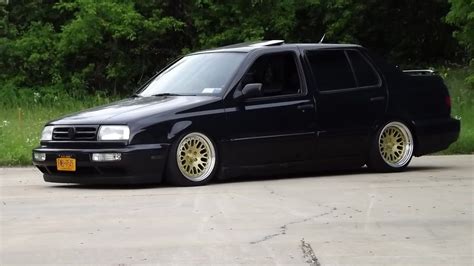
[{"x": 71, "y": 132}]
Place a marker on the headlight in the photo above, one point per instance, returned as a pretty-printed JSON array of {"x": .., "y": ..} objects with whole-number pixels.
[
  {"x": 113, "y": 133},
  {"x": 47, "y": 133}
]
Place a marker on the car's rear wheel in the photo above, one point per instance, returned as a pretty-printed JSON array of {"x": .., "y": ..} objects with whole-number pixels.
[
  {"x": 192, "y": 160},
  {"x": 392, "y": 148}
]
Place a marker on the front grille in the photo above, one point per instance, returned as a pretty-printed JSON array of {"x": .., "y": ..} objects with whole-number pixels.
[{"x": 75, "y": 133}]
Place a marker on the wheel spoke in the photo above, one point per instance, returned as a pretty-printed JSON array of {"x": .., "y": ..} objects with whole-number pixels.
[
  {"x": 195, "y": 156},
  {"x": 395, "y": 144}
]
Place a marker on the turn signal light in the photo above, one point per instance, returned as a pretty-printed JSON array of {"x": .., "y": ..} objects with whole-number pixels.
[
  {"x": 39, "y": 156},
  {"x": 106, "y": 157}
]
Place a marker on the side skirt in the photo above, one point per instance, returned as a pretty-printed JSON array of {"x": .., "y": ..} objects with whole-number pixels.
[{"x": 292, "y": 169}]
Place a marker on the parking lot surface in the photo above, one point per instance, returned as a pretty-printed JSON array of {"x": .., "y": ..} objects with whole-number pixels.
[{"x": 423, "y": 216}]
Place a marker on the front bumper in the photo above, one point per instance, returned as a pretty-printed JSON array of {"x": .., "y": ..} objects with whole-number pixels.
[
  {"x": 436, "y": 134},
  {"x": 139, "y": 164}
]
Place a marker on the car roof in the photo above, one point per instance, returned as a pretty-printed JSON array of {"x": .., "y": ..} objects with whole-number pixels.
[{"x": 251, "y": 46}]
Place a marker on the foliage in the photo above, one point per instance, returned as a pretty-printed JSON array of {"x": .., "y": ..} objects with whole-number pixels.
[
  {"x": 113, "y": 46},
  {"x": 463, "y": 107},
  {"x": 226, "y": 22},
  {"x": 400, "y": 30},
  {"x": 411, "y": 33},
  {"x": 20, "y": 125},
  {"x": 95, "y": 45},
  {"x": 462, "y": 15}
]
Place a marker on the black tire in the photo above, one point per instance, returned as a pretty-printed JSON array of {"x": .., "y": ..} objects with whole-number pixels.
[
  {"x": 392, "y": 148},
  {"x": 177, "y": 173}
]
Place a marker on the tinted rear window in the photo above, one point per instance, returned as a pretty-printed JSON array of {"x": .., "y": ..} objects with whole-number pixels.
[
  {"x": 364, "y": 72},
  {"x": 331, "y": 70}
]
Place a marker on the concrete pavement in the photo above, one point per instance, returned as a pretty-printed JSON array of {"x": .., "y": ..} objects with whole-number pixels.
[{"x": 423, "y": 216}]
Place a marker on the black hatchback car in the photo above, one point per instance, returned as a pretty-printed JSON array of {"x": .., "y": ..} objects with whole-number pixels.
[{"x": 247, "y": 108}]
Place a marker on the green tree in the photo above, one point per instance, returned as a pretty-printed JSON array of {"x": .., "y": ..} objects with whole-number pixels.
[
  {"x": 108, "y": 44},
  {"x": 114, "y": 45},
  {"x": 27, "y": 43},
  {"x": 462, "y": 15},
  {"x": 409, "y": 32},
  {"x": 226, "y": 22},
  {"x": 29, "y": 59}
]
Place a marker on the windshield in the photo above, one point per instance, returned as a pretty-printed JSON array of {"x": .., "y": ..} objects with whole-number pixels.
[{"x": 196, "y": 75}]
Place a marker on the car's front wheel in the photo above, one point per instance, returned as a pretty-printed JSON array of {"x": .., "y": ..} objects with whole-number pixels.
[
  {"x": 392, "y": 148},
  {"x": 192, "y": 160}
]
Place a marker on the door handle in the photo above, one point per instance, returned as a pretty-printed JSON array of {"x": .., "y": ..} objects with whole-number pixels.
[
  {"x": 379, "y": 98},
  {"x": 307, "y": 106}
]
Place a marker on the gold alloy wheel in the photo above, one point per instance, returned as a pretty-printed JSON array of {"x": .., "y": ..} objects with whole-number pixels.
[
  {"x": 196, "y": 157},
  {"x": 396, "y": 144}
]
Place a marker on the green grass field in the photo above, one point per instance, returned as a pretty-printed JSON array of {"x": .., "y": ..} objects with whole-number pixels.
[{"x": 20, "y": 127}]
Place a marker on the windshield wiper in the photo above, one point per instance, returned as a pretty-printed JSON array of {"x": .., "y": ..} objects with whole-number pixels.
[
  {"x": 136, "y": 95},
  {"x": 171, "y": 94}
]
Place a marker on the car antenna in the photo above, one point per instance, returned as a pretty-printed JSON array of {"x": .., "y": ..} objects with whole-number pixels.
[{"x": 322, "y": 38}]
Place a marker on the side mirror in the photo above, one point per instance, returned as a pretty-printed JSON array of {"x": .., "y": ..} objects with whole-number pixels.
[{"x": 250, "y": 90}]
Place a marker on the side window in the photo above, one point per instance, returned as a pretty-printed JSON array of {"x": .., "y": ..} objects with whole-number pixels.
[
  {"x": 277, "y": 73},
  {"x": 364, "y": 72},
  {"x": 331, "y": 70}
]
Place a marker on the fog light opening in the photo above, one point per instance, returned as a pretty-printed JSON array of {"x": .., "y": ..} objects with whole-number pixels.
[
  {"x": 106, "y": 157},
  {"x": 39, "y": 156}
]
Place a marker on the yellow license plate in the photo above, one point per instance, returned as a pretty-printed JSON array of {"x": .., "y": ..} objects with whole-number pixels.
[{"x": 66, "y": 164}]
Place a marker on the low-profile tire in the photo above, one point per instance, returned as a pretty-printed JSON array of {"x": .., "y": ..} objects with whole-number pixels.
[
  {"x": 392, "y": 148},
  {"x": 192, "y": 160}
]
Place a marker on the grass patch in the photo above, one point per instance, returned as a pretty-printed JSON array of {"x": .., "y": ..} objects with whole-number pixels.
[
  {"x": 21, "y": 126},
  {"x": 23, "y": 113}
]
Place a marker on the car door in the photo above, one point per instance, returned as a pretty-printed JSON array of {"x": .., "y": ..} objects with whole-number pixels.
[
  {"x": 277, "y": 126},
  {"x": 350, "y": 97}
]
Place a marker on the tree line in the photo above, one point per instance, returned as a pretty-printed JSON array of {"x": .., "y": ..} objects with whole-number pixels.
[{"x": 114, "y": 45}]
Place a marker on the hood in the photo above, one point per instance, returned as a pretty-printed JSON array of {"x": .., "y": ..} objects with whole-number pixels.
[{"x": 132, "y": 109}]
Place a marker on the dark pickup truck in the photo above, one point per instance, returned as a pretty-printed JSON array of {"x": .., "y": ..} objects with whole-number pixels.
[{"x": 240, "y": 109}]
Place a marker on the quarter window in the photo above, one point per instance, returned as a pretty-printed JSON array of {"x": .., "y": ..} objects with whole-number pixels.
[
  {"x": 277, "y": 73},
  {"x": 331, "y": 70},
  {"x": 364, "y": 72}
]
